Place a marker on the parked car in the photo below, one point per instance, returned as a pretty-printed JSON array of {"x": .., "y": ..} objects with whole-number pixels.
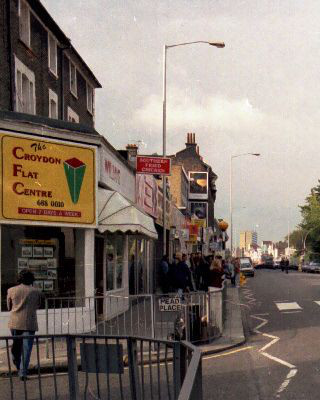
[
  {"x": 314, "y": 267},
  {"x": 246, "y": 266},
  {"x": 305, "y": 267}
]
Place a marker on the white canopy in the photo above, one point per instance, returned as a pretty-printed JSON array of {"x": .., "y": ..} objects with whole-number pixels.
[{"x": 116, "y": 213}]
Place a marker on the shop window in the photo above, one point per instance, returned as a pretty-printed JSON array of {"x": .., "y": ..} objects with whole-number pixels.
[
  {"x": 54, "y": 255},
  {"x": 115, "y": 248}
]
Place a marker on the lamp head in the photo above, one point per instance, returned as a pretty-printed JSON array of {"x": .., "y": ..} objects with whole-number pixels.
[{"x": 220, "y": 45}]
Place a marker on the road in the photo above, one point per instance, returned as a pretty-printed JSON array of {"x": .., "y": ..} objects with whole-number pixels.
[{"x": 281, "y": 358}]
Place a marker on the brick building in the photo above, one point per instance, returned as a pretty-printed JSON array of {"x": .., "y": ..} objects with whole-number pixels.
[
  {"x": 202, "y": 187},
  {"x": 42, "y": 73}
]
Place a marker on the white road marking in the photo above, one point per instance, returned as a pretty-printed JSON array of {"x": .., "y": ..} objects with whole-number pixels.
[
  {"x": 288, "y": 306},
  {"x": 275, "y": 339},
  {"x": 286, "y": 382},
  {"x": 291, "y": 312},
  {"x": 317, "y": 302}
]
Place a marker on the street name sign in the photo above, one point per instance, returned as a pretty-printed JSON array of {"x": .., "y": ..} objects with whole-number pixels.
[
  {"x": 170, "y": 304},
  {"x": 153, "y": 165}
]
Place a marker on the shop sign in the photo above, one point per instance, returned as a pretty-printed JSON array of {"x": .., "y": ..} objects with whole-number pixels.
[
  {"x": 193, "y": 229},
  {"x": 45, "y": 180},
  {"x": 198, "y": 185},
  {"x": 201, "y": 223},
  {"x": 116, "y": 175},
  {"x": 170, "y": 304},
  {"x": 153, "y": 165},
  {"x": 147, "y": 194},
  {"x": 193, "y": 238}
]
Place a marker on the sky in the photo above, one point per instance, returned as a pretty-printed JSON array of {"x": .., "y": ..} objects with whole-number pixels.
[{"x": 259, "y": 94}]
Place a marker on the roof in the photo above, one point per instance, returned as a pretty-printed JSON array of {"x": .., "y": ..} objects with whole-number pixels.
[
  {"x": 51, "y": 24},
  {"x": 52, "y": 123}
]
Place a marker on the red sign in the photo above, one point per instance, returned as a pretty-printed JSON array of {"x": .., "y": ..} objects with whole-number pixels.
[{"x": 153, "y": 165}]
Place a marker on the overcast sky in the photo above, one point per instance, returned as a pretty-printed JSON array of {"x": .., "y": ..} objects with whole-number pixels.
[{"x": 259, "y": 94}]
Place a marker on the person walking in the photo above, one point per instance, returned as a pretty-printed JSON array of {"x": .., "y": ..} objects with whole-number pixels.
[
  {"x": 232, "y": 271},
  {"x": 23, "y": 301},
  {"x": 216, "y": 272},
  {"x": 282, "y": 263},
  {"x": 182, "y": 276},
  {"x": 286, "y": 265},
  {"x": 164, "y": 274}
]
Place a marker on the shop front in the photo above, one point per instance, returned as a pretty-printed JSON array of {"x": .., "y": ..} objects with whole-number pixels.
[
  {"x": 124, "y": 236},
  {"x": 47, "y": 218}
]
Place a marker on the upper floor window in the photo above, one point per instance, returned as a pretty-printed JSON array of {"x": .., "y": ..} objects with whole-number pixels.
[
  {"x": 24, "y": 22},
  {"x": 73, "y": 79},
  {"x": 52, "y": 54},
  {"x": 90, "y": 99},
  {"x": 72, "y": 116},
  {"x": 53, "y": 104},
  {"x": 25, "y": 88}
]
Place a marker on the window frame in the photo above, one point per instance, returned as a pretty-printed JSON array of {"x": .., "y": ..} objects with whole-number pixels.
[
  {"x": 24, "y": 70},
  {"x": 74, "y": 93},
  {"x": 90, "y": 89},
  {"x": 71, "y": 113},
  {"x": 27, "y": 40},
  {"x": 52, "y": 39},
  {"x": 53, "y": 96}
]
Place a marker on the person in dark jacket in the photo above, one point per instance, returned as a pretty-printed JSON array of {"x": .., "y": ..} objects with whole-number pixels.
[
  {"x": 164, "y": 274},
  {"x": 182, "y": 275}
]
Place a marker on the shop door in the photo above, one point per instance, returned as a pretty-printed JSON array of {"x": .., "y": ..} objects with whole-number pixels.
[{"x": 99, "y": 278}]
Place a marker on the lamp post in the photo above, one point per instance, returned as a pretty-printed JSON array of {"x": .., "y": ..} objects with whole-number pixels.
[
  {"x": 164, "y": 122},
  {"x": 230, "y": 193}
]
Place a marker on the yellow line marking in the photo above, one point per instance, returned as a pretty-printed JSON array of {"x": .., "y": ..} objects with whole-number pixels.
[{"x": 228, "y": 354}]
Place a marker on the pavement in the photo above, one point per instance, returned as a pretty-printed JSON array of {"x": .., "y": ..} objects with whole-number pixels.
[
  {"x": 233, "y": 332},
  {"x": 232, "y": 336}
]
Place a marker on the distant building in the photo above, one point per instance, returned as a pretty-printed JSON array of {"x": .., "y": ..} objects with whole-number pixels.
[{"x": 248, "y": 239}]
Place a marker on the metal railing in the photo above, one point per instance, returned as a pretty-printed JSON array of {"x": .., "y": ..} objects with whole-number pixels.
[
  {"x": 103, "y": 367},
  {"x": 194, "y": 316}
]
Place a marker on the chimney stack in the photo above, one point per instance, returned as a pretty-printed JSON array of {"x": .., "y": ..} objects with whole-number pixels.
[
  {"x": 132, "y": 150},
  {"x": 191, "y": 140}
]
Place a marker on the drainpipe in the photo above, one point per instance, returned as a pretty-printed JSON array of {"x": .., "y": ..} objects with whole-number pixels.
[
  {"x": 62, "y": 102},
  {"x": 11, "y": 64}
]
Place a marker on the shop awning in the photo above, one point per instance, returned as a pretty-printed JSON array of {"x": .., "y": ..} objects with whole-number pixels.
[{"x": 116, "y": 213}]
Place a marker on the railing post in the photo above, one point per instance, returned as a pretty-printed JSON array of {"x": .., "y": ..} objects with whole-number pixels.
[
  {"x": 196, "y": 393},
  {"x": 133, "y": 369},
  {"x": 47, "y": 327},
  {"x": 72, "y": 368},
  {"x": 179, "y": 367}
]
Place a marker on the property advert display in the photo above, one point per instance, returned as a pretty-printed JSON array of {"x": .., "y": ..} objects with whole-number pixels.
[
  {"x": 44, "y": 180},
  {"x": 41, "y": 257}
]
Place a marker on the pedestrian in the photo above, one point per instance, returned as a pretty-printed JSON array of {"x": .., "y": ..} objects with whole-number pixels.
[
  {"x": 164, "y": 274},
  {"x": 282, "y": 263},
  {"x": 286, "y": 265},
  {"x": 23, "y": 301},
  {"x": 232, "y": 271},
  {"x": 182, "y": 275},
  {"x": 216, "y": 272}
]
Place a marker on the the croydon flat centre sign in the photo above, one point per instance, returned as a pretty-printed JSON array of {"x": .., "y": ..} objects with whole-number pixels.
[{"x": 44, "y": 180}]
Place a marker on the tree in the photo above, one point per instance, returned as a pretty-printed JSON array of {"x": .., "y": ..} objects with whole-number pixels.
[{"x": 310, "y": 224}]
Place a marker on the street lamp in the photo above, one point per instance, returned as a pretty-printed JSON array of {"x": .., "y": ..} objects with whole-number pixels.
[
  {"x": 219, "y": 45},
  {"x": 231, "y": 159}
]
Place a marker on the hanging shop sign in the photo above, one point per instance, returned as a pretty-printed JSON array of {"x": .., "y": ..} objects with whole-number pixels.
[
  {"x": 198, "y": 186},
  {"x": 47, "y": 181},
  {"x": 153, "y": 165}
]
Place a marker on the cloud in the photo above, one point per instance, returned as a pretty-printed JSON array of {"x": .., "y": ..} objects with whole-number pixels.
[{"x": 215, "y": 113}]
